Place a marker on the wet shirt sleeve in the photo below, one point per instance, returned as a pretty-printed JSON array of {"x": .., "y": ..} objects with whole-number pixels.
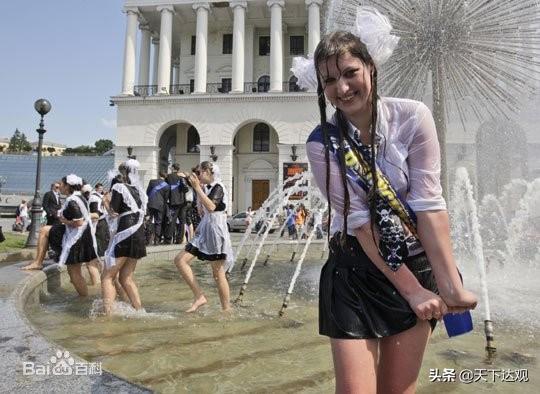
[
  {"x": 216, "y": 195},
  {"x": 424, "y": 162},
  {"x": 358, "y": 211}
]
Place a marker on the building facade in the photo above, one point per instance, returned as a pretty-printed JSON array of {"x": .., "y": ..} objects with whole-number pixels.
[{"x": 212, "y": 81}]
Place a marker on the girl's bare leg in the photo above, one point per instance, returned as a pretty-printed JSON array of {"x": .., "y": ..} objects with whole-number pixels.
[
  {"x": 42, "y": 247},
  {"x": 355, "y": 365},
  {"x": 107, "y": 284},
  {"x": 182, "y": 262},
  {"x": 400, "y": 359},
  {"x": 222, "y": 284},
  {"x": 128, "y": 284},
  {"x": 77, "y": 279},
  {"x": 93, "y": 268}
]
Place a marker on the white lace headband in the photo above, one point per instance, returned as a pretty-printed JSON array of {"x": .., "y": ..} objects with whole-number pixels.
[
  {"x": 373, "y": 29},
  {"x": 73, "y": 180}
]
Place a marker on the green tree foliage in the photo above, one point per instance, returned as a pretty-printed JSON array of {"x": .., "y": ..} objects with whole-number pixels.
[
  {"x": 103, "y": 146},
  {"x": 19, "y": 143}
]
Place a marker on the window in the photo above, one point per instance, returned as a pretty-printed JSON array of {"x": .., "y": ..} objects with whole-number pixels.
[
  {"x": 227, "y": 44},
  {"x": 193, "y": 140},
  {"x": 296, "y": 46},
  {"x": 261, "y": 138},
  {"x": 226, "y": 85},
  {"x": 191, "y": 85},
  {"x": 264, "y": 45},
  {"x": 193, "y": 44},
  {"x": 293, "y": 86},
  {"x": 263, "y": 84}
]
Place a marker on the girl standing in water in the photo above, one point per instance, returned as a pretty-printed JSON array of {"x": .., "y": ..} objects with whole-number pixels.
[{"x": 211, "y": 241}]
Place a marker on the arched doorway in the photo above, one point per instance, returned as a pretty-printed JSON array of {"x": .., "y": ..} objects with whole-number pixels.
[
  {"x": 255, "y": 165},
  {"x": 179, "y": 143}
]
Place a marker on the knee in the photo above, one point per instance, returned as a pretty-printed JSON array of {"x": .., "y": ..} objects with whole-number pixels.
[
  {"x": 125, "y": 280},
  {"x": 181, "y": 259}
]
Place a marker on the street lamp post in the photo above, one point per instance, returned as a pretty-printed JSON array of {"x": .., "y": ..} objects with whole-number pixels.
[{"x": 43, "y": 107}]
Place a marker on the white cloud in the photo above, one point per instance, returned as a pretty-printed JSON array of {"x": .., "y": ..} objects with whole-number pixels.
[{"x": 109, "y": 123}]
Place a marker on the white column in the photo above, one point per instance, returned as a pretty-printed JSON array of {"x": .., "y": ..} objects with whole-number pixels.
[
  {"x": 129, "y": 50},
  {"x": 144, "y": 56},
  {"x": 165, "y": 47},
  {"x": 314, "y": 24},
  {"x": 155, "y": 63},
  {"x": 276, "y": 45},
  {"x": 239, "y": 9},
  {"x": 201, "y": 45}
]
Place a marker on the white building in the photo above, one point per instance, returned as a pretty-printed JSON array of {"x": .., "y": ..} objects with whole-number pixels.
[{"x": 211, "y": 81}]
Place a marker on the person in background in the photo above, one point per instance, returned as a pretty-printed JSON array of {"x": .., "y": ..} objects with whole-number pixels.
[
  {"x": 51, "y": 204},
  {"x": 23, "y": 215},
  {"x": 158, "y": 191},
  {"x": 177, "y": 201}
]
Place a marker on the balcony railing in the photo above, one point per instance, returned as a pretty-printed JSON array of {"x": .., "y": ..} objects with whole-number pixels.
[{"x": 216, "y": 88}]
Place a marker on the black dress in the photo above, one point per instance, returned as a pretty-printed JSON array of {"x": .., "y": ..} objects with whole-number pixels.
[
  {"x": 135, "y": 245},
  {"x": 103, "y": 235},
  {"x": 83, "y": 250}
]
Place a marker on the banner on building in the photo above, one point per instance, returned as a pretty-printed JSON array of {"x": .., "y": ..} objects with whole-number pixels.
[{"x": 291, "y": 169}]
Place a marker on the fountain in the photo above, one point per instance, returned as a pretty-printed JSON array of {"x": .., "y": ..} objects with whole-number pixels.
[{"x": 496, "y": 245}]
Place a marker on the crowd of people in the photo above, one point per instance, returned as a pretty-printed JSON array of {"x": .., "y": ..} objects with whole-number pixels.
[{"x": 106, "y": 231}]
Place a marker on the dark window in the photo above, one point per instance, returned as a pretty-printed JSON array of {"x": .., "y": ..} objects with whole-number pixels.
[
  {"x": 227, "y": 44},
  {"x": 193, "y": 140},
  {"x": 226, "y": 85},
  {"x": 191, "y": 85},
  {"x": 293, "y": 86},
  {"x": 263, "y": 84},
  {"x": 264, "y": 45},
  {"x": 296, "y": 45},
  {"x": 261, "y": 138},
  {"x": 193, "y": 44}
]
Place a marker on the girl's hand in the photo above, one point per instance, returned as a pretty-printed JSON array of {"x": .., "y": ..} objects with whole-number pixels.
[
  {"x": 195, "y": 183},
  {"x": 427, "y": 305},
  {"x": 460, "y": 300}
]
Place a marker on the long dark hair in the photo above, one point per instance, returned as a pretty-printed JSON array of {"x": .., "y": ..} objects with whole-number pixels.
[{"x": 338, "y": 44}]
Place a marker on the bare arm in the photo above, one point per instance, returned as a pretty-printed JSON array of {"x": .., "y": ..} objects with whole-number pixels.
[
  {"x": 201, "y": 195},
  {"x": 434, "y": 234},
  {"x": 423, "y": 302}
]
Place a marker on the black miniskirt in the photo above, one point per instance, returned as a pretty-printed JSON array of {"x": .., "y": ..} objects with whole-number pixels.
[{"x": 356, "y": 300}]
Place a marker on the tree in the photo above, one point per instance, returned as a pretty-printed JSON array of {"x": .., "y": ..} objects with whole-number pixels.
[
  {"x": 82, "y": 149},
  {"x": 103, "y": 146},
  {"x": 51, "y": 149},
  {"x": 19, "y": 143}
]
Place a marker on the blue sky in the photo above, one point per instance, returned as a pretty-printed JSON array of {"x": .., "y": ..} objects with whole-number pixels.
[{"x": 68, "y": 51}]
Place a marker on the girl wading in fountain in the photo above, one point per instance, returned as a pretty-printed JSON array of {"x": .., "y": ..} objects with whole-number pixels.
[
  {"x": 378, "y": 301},
  {"x": 211, "y": 241},
  {"x": 74, "y": 239},
  {"x": 126, "y": 205}
]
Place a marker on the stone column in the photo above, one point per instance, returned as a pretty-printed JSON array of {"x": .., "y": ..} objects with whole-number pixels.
[
  {"x": 155, "y": 63},
  {"x": 239, "y": 9},
  {"x": 201, "y": 45},
  {"x": 276, "y": 45},
  {"x": 129, "y": 50},
  {"x": 314, "y": 24},
  {"x": 144, "y": 57},
  {"x": 165, "y": 46}
]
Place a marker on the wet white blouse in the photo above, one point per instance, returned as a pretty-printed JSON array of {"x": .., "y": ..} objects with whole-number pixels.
[{"x": 408, "y": 154}]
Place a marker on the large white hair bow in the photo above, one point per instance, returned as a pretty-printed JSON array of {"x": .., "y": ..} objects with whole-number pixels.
[
  {"x": 373, "y": 29},
  {"x": 73, "y": 180}
]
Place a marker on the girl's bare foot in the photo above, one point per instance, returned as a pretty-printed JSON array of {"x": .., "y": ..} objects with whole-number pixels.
[
  {"x": 200, "y": 301},
  {"x": 32, "y": 266}
]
